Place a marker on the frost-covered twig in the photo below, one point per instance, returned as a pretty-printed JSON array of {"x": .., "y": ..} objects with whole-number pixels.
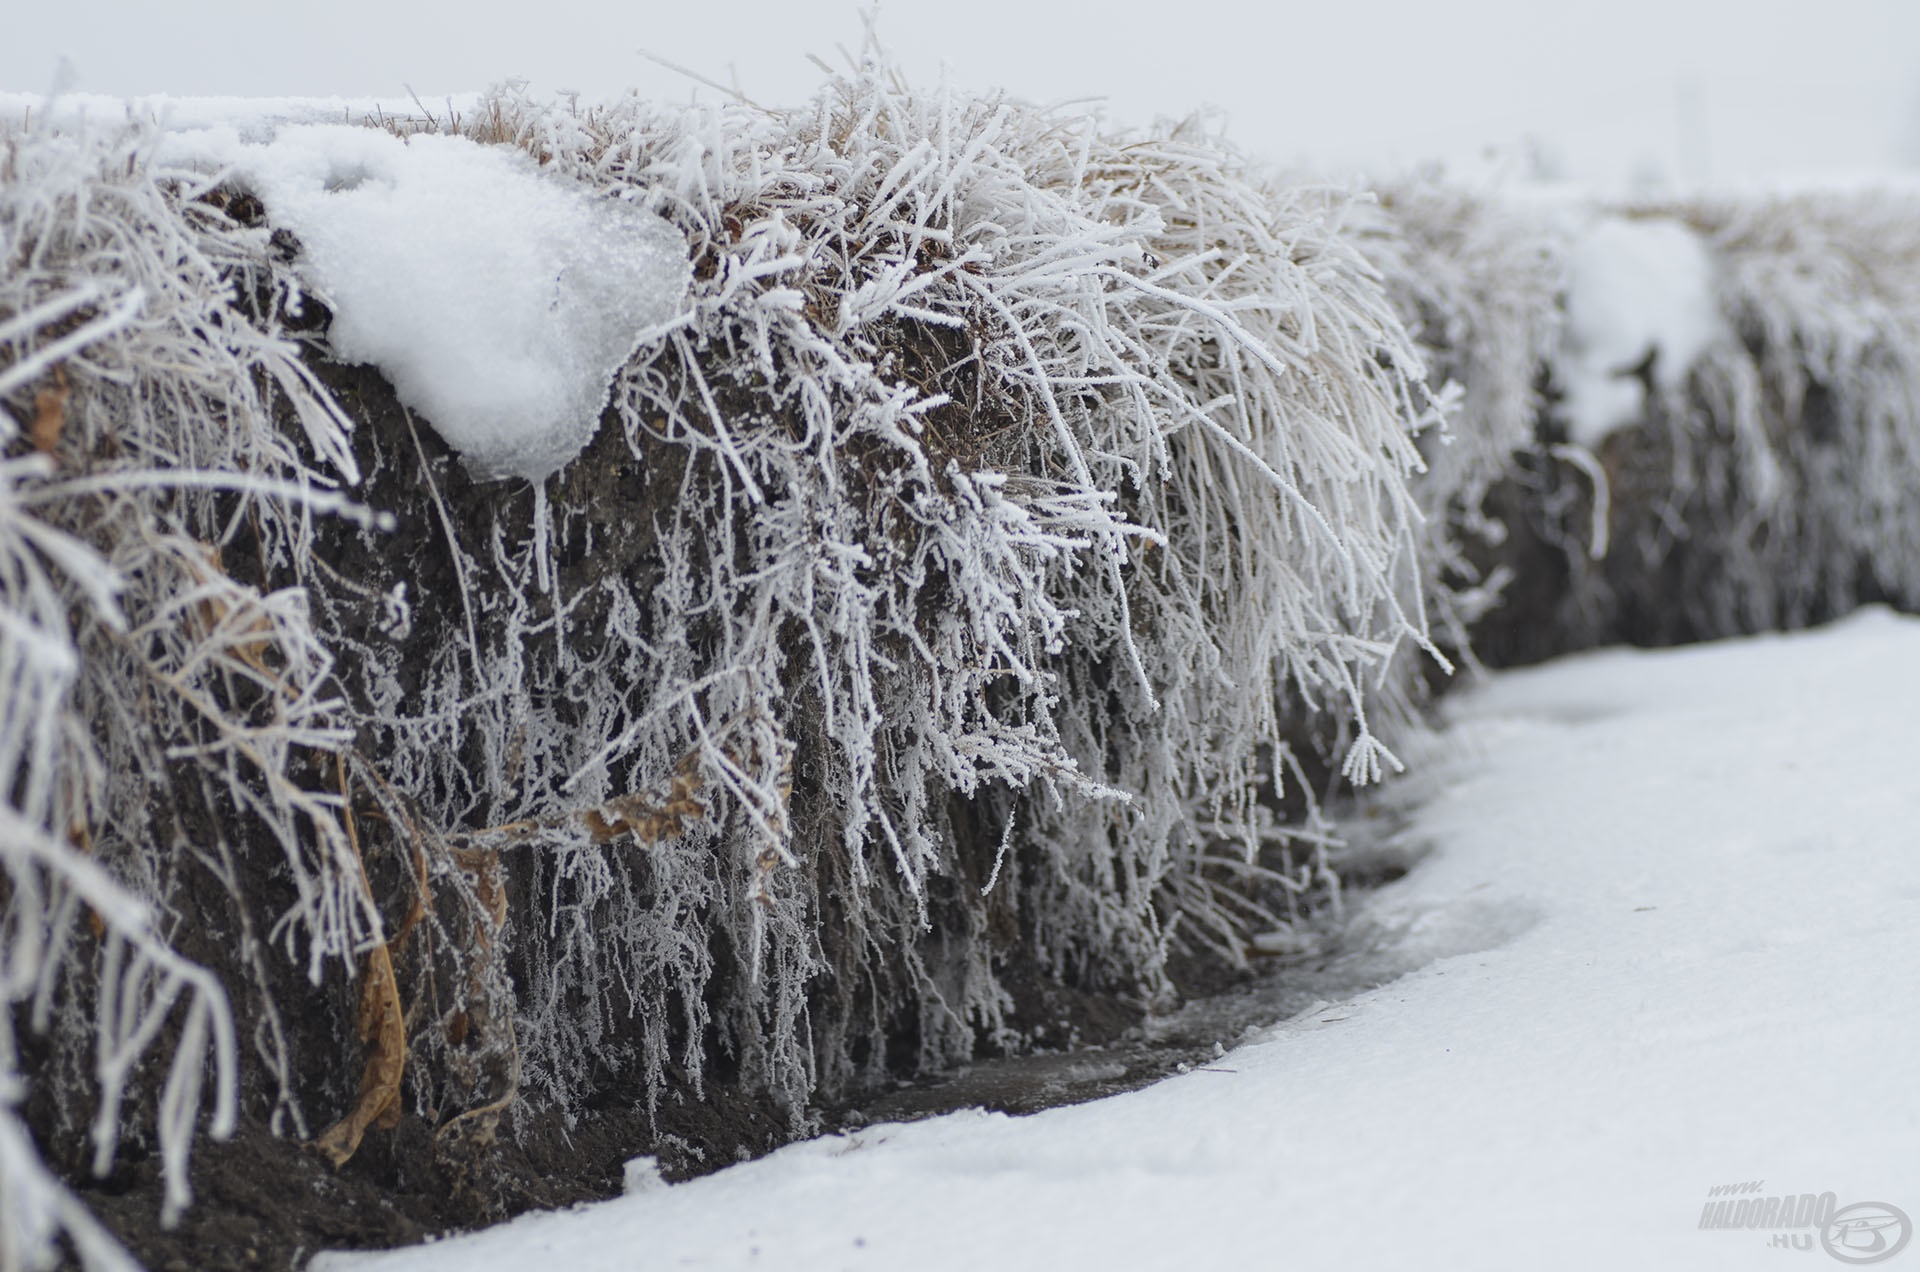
[{"x": 147, "y": 699}]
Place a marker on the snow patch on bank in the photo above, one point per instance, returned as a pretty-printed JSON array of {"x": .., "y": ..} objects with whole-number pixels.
[
  {"x": 1636, "y": 288},
  {"x": 498, "y": 301}
]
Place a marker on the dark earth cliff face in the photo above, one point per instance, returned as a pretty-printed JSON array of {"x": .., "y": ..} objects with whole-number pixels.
[
  {"x": 1698, "y": 546},
  {"x": 468, "y": 1145},
  {"x": 267, "y": 1200}
]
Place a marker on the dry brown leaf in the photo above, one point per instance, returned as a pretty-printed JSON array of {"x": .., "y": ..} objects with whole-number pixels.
[
  {"x": 482, "y": 865},
  {"x": 214, "y": 612},
  {"x": 381, "y": 1024},
  {"x": 82, "y": 840},
  {"x": 649, "y": 820},
  {"x": 383, "y": 1028},
  {"x": 50, "y": 413},
  {"x": 646, "y": 820}
]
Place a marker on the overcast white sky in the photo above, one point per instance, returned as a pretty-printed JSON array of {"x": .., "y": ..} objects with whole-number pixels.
[{"x": 1734, "y": 90}]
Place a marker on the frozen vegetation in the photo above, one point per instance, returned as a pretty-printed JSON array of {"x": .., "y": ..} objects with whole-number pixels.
[
  {"x": 545, "y": 602},
  {"x": 1627, "y": 970}
]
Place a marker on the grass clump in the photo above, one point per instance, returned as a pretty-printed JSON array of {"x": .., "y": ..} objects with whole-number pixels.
[{"x": 958, "y": 608}]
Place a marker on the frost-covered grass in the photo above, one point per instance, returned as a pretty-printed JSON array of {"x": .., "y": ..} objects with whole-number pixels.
[
  {"x": 1678, "y": 422},
  {"x": 1803, "y": 435},
  {"x": 1481, "y": 285},
  {"x": 153, "y": 707},
  {"x": 1058, "y": 473},
  {"x": 998, "y": 532},
  {"x": 949, "y": 586},
  {"x": 1660, "y": 941}
]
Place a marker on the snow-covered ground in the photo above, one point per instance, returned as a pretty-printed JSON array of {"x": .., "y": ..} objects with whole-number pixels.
[{"x": 1665, "y": 941}]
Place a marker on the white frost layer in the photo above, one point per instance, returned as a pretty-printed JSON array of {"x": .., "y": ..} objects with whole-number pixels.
[
  {"x": 253, "y": 118},
  {"x": 1634, "y": 287},
  {"x": 499, "y": 302},
  {"x": 1669, "y": 926}
]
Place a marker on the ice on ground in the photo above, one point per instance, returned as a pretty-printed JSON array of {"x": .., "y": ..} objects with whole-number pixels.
[
  {"x": 1665, "y": 941},
  {"x": 1635, "y": 287},
  {"x": 498, "y": 301}
]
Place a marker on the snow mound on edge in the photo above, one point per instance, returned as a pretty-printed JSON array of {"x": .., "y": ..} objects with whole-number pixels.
[
  {"x": 499, "y": 302},
  {"x": 1636, "y": 287}
]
